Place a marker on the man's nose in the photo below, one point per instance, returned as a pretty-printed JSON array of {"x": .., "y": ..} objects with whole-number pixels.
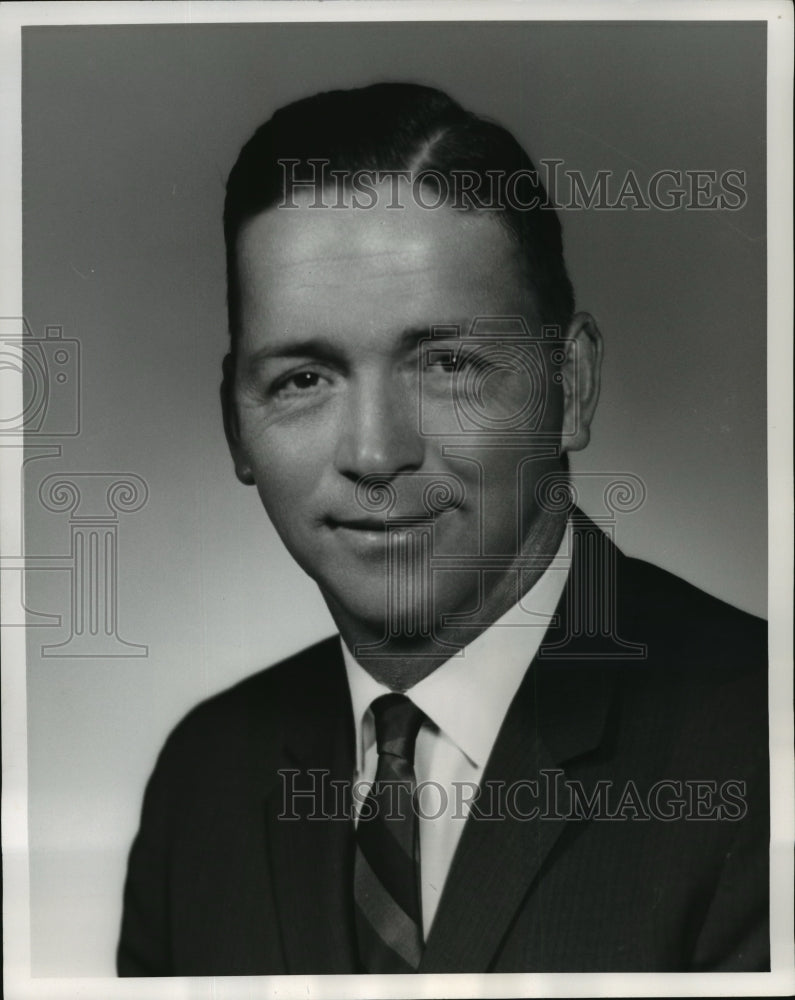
[{"x": 381, "y": 430}]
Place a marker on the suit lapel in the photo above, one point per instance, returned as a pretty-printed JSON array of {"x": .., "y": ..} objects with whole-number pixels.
[
  {"x": 497, "y": 860},
  {"x": 494, "y": 864},
  {"x": 558, "y": 715},
  {"x": 311, "y": 855}
]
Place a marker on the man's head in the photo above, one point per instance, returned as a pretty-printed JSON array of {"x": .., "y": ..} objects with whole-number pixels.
[{"x": 338, "y": 374}]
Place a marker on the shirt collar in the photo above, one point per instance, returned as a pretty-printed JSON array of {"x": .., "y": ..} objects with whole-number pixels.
[{"x": 468, "y": 696}]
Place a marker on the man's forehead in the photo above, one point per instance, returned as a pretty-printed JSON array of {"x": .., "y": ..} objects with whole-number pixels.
[{"x": 325, "y": 245}]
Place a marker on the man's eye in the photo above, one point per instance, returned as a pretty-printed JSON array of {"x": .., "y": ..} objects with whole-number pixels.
[
  {"x": 442, "y": 362},
  {"x": 456, "y": 362},
  {"x": 297, "y": 382}
]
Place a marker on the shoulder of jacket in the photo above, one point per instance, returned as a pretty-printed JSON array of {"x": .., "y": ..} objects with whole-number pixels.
[{"x": 257, "y": 703}]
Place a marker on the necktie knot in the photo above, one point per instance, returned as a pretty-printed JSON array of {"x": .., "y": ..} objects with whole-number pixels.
[{"x": 397, "y": 722}]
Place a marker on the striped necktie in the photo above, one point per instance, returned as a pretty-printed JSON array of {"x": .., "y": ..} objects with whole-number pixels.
[{"x": 387, "y": 868}]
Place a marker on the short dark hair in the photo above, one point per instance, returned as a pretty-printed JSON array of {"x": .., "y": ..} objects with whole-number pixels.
[{"x": 397, "y": 126}]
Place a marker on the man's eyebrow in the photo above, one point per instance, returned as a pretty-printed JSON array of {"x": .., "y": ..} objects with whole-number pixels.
[
  {"x": 311, "y": 347},
  {"x": 326, "y": 349},
  {"x": 412, "y": 336}
]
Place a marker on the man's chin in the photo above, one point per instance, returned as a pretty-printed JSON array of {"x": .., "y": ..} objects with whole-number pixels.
[{"x": 375, "y": 612}]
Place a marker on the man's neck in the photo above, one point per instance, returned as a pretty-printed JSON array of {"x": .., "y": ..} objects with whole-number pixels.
[{"x": 411, "y": 659}]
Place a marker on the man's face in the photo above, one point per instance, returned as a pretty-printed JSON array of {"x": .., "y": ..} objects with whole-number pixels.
[{"x": 329, "y": 387}]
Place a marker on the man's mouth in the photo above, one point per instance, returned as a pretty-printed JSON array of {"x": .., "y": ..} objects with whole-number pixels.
[
  {"x": 373, "y": 536},
  {"x": 381, "y": 524},
  {"x": 359, "y": 524}
]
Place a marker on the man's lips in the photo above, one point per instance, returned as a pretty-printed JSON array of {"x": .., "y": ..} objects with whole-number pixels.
[
  {"x": 372, "y": 537},
  {"x": 375, "y": 529},
  {"x": 380, "y": 524},
  {"x": 358, "y": 524}
]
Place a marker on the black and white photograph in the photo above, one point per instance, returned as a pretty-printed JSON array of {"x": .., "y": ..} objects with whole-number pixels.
[{"x": 396, "y": 449}]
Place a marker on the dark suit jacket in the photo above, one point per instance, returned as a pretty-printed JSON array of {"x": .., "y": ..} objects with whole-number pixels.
[{"x": 219, "y": 885}]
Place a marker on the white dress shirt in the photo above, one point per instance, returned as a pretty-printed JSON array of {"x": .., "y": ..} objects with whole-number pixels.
[{"x": 465, "y": 700}]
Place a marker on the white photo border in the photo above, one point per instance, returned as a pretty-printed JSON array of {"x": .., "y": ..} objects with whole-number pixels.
[{"x": 16, "y": 905}]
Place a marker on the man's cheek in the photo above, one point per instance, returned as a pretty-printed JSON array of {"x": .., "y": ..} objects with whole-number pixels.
[{"x": 290, "y": 486}]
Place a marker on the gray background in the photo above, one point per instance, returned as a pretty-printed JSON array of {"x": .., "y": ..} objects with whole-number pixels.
[{"x": 128, "y": 134}]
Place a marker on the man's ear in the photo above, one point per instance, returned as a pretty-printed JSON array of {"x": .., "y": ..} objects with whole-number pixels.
[
  {"x": 231, "y": 424},
  {"x": 581, "y": 380}
]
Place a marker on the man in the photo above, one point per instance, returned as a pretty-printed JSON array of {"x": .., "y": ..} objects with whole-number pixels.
[{"x": 525, "y": 751}]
